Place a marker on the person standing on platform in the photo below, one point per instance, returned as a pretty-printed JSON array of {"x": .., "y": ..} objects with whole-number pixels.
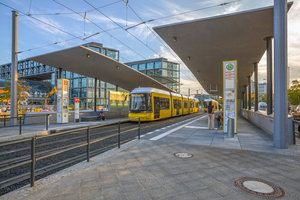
[{"x": 211, "y": 119}]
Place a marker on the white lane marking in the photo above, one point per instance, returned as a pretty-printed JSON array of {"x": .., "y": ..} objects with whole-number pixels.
[
  {"x": 196, "y": 127},
  {"x": 175, "y": 129},
  {"x": 149, "y": 133},
  {"x": 163, "y": 128},
  {"x": 157, "y": 130}
]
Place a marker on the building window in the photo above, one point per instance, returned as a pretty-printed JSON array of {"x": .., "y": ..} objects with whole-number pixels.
[
  {"x": 112, "y": 54},
  {"x": 149, "y": 72},
  {"x": 135, "y": 67},
  {"x": 102, "y": 84},
  {"x": 142, "y": 66},
  {"x": 83, "y": 82},
  {"x": 104, "y": 51},
  {"x": 157, "y": 65},
  {"x": 165, "y": 72},
  {"x": 103, "y": 93},
  {"x": 75, "y": 83},
  {"x": 90, "y": 93},
  {"x": 91, "y": 82},
  {"x": 175, "y": 66},
  {"x": 68, "y": 75},
  {"x": 158, "y": 72},
  {"x": 74, "y": 93},
  {"x": 83, "y": 92},
  {"x": 165, "y": 65},
  {"x": 149, "y": 65}
]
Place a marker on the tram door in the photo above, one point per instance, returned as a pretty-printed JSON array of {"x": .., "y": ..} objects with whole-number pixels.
[{"x": 156, "y": 107}]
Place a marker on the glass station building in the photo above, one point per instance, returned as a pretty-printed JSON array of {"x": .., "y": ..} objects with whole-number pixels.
[
  {"x": 160, "y": 69},
  {"x": 80, "y": 86}
]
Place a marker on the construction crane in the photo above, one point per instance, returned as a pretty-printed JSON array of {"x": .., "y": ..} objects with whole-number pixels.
[{"x": 54, "y": 90}]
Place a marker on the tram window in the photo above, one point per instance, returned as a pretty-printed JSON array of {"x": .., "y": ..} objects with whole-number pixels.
[
  {"x": 164, "y": 103},
  {"x": 177, "y": 103},
  {"x": 185, "y": 104},
  {"x": 191, "y": 104},
  {"x": 141, "y": 102}
]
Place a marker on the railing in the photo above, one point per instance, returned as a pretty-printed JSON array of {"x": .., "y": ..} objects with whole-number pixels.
[
  {"x": 23, "y": 117},
  {"x": 294, "y": 131},
  {"x": 46, "y": 154}
]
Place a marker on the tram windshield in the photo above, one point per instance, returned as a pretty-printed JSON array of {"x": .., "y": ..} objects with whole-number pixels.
[
  {"x": 206, "y": 103},
  {"x": 141, "y": 102}
]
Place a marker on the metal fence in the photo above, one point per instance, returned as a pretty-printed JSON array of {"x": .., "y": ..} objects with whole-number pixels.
[
  {"x": 20, "y": 121},
  {"x": 46, "y": 154}
]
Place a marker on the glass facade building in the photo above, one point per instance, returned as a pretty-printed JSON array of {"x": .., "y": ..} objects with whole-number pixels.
[
  {"x": 80, "y": 86},
  {"x": 162, "y": 70}
]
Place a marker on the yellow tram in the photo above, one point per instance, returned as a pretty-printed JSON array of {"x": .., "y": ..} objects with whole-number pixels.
[
  {"x": 213, "y": 102},
  {"x": 153, "y": 104}
]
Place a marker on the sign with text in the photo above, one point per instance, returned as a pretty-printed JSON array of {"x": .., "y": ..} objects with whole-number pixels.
[
  {"x": 77, "y": 109},
  {"x": 62, "y": 100},
  {"x": 229, "y": 93}
]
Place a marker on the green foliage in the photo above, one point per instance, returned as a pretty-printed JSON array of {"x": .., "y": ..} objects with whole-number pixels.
[
  {"x": 264, "y": 98},
  {"x": 294, "y": 93},
  {"x": 23, "y": 91}
]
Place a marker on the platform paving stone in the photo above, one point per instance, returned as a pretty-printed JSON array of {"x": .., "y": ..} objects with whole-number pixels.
[{"x": 145, "y": 169}]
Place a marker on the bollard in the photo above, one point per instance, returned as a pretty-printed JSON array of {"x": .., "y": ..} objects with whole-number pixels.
[
  {"x": 119, "y": 135},
  {"x": 32, "y": 174},
  {"x": 20, "y": 125},
  {"x": 230, "y": 127},
  {"x": 139, "y": 130},
  {"x": 88, "y": 144}
]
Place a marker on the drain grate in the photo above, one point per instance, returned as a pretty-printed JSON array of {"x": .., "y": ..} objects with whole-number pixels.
[
  {"x": 183, "y": 155},
  {"x": 259, "y": 187}
]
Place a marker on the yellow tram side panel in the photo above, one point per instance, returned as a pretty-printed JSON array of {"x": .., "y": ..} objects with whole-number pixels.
[
  {"x": 143, "y": 116},
  {"x": 174, "y": 110},
  {"x": 196, "y": 106},
  {"x": 185, "y": 110},
  {"x": 162, "y": 113},
  {"x": 191, "y": 110}
]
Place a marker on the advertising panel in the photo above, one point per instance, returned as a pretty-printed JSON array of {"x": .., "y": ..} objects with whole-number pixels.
[
  {"x": 118, "y": 101},
  {"x": 229, "y": 93},
  {"x": 62, "y": 100}
]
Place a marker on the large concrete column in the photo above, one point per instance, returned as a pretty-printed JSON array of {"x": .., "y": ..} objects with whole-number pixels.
[
  {"x": 14, "y": 69},
  {"x": 59, "y": 73},
  {"x": 117, "y": 88},
  {"x": 243, "y": 100},
  {"x": 249, "y": 92},
  {"x": 245, "y": 93},
  {"x": 280, "y": 75},
  {"x": 269, "y": 76},
  {"x": 255, "y": 87},
  {"x": 95, "y": 95}
]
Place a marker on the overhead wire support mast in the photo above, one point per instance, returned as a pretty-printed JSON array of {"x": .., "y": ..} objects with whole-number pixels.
[
  {"x": 101, "y": 29},
  {"x": 123, "y": 29}
]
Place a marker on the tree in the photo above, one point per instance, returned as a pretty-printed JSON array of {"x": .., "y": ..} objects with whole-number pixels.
[
  {"x": 294, "y": 93},
  {"x": 22, "y": 91},
  {"x": 264, "y": 98}
]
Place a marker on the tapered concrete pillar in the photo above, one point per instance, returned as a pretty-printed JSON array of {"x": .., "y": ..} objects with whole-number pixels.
[
  {"x": 243, "y": 100},
  {"x": 59, "y": 73},
  {"x": 255, "y": 86},
  {"x": 280, "y": 75},
  {"x": 14, "y": 70},
  {"x": 249, "y": 92},
  {"x": 95, "y": 95},
  {"x": 117, "y": 88},
  {"x": 269, "y": 76},
  {"x": 245, "y": 97}
]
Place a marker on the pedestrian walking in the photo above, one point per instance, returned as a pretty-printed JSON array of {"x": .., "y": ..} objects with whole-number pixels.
[{"x": 211, "y": 119}]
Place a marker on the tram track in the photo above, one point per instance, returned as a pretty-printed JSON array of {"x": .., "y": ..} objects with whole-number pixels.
[{"x": 20, "y": 176}]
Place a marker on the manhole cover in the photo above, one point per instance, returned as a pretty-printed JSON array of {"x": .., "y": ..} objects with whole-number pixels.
[
  {"x": 259, "y": 187},
  {"x": 183, "y": 155}
]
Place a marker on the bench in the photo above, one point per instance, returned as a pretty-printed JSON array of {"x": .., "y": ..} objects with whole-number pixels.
[{"x": 90, "y": 118}]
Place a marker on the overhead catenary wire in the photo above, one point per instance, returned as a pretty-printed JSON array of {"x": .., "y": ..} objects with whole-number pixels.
[
  {"x": 71, "y": 13},
  {"x": 100, "y": 28},
  {"x": 123, "y": 29}
]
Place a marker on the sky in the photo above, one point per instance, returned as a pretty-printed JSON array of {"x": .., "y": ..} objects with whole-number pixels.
[{"x": 136, "y": 43}]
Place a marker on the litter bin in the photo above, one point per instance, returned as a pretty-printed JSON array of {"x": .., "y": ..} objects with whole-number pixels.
[{"x": 230, "y": 127}]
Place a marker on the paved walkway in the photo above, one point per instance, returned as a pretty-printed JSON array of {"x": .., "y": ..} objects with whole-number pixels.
[
  {"x": 148, "y": 169},
  {"x": 12, "y": 133}
]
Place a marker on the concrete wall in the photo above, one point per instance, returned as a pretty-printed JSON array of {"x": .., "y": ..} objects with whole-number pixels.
[
  {"x": 36, "y": 117},
  {"x": 266, "y": 122}
]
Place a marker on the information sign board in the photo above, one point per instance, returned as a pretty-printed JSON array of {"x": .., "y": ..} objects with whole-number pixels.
[
  {"x": 77, "y": 109},
  {"x": 62, "y": 100},
  {"x": 229, "y": 93}
]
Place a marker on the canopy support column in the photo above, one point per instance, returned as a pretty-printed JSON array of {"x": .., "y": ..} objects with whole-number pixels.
[
  {"x": 280, "y": 75},
  {"x": 269, "y": 76},
  {"x": 249, "y": 92},
  {"x": 245, "y": 96},
  {"x": 243, "y": 100},
  {"x": 255, "y": 87},
  {"x": 95, "y": 95}
]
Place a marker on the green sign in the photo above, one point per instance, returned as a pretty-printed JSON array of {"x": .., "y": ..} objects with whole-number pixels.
[{"x": 229, "y": 66}]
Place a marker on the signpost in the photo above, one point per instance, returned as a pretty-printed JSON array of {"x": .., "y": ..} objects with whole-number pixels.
[
  {"x": 77, "y": 109},
  {"x": 229, "y": 93},
  {"x": 62, "y": 100}
]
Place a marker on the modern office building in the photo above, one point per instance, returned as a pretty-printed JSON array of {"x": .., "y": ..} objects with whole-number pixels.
[
  {"x": 80, "y": 86},
  {"x": 262, "y": 89},
  {"x": 160, "y": 69}
]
